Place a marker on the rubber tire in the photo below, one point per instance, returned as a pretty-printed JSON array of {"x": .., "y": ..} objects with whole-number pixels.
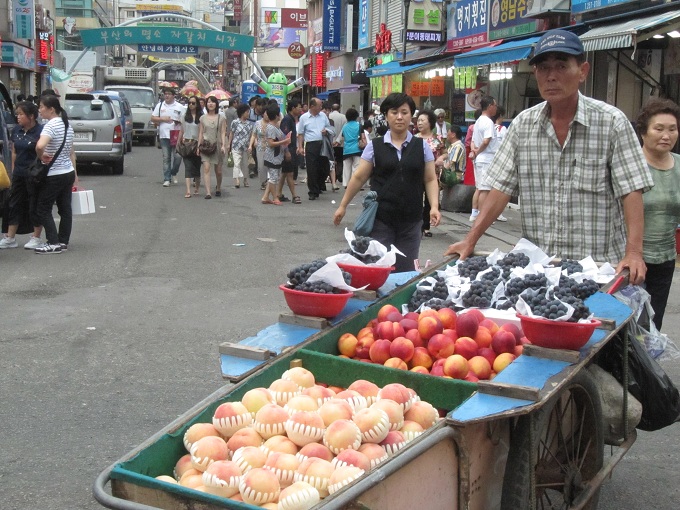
[
  {"x": 129, "y": 145},
  {"x": 516, "y": 482},
  {"x": 117, "y": 167}
]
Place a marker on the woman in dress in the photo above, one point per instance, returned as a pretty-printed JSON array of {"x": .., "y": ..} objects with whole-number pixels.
[
  {"x": 22, "y": 197},
  {"x": 425, "y": 123},
  {"x": 61, "y": 177},
  {"x": 190, "y": 126},
  {"x": 258, "y": 140},
  {"x": 401, "y": 169},
  {"x": 351, "y": 151},
  {"x": 657, "y": 125},
  {"x": 209, "y": 130},
  {"x": 239, "y": 144}
]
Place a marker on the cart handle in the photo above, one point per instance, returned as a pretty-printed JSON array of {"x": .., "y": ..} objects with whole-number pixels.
[
  {"x": 615, "y": 284},
  {"x": 110, "y": 501}
]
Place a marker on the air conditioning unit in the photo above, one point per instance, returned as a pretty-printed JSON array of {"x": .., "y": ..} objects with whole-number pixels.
[
  {"x": 540, "y": 8},
  {"x": 128, "y": 75}
]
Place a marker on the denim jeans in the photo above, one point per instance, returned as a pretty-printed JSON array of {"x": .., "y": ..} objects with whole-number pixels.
[
  {"x": 57, "y": 188},
  {"x": 171, "y": 160}
]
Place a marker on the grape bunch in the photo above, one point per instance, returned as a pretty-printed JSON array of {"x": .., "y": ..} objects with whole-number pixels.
[
  {"x": 360, "y": 244},
  {"x": 572, "y": 266},
  {"x": 363, "y": 257},
  {"x": 512, "y": 260},
  {"x": 581, "y": 311},
  {"x": 493, "y": 276},
  {"x": 518, "y": 285},
  {"x": 480, "y": 294},
  {"x": 469, "y": 268},
  {"x": 569, "y": 287},
  {"x": 438, "y": 304},
  {"x": 298, "y": 276},
  {"x": 421, "y": 295},
  {"x": 543, "y": 305}
]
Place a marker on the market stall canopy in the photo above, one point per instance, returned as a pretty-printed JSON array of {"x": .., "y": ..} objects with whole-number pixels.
[
  {"x": 505, "y": 52},
  {"x": 628, "y": 33},
  {"x": 390, "y": 68}
]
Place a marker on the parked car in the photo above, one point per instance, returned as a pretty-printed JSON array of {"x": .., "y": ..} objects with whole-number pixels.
[
  {"x": 124, "y": 111},
  {"x": 98, "y": 130},
  {"x": 143, "y": 100}
]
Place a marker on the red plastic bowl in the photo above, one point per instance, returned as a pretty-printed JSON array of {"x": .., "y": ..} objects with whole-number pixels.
[
  {"x": 314, "y": 304},
  {"x": 373, "y": 276},
  {"x": 556, "y": 334}
]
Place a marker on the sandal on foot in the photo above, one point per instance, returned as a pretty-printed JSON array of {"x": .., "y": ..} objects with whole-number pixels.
[
  {"x": 275, "y": 202},
  {"x": 297, "y": 200},
  {"x": 267, "y": 202},
  {"x": 427, "y": 233},
  {"x": 187, "y": 195},
  {"x": 208, "y": 197},
  {"x": 218, "y": 193}
]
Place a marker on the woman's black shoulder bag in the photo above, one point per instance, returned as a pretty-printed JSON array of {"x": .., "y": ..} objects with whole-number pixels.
[{"x": 38, "y": 171}]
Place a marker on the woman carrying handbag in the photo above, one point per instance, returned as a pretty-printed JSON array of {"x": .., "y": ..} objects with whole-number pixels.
[{"x": 187, "y": 147}]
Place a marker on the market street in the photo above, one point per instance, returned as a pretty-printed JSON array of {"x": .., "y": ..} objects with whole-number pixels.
[{"x": 104, "y": 345}]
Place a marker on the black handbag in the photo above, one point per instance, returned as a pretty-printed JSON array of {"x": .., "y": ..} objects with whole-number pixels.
[
  {"x": 187, "y": 148},
  {"x": 208, "y": 148},
  {"x": 37, "y": 173}
]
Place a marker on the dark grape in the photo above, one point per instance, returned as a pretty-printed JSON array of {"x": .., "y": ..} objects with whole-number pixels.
[
  {"x": 544, "y": 305},
  {"x": 298, "y": 276},
  {"x": 572, "y": 266},
  {"x": 440, "y": 291},
  {"x": 512, "y": 260},
  {"x": 469, "y": 268},
  {"x": 480, "y": 294}
]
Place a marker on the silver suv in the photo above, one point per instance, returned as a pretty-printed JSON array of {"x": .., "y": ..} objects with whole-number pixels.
[{"x": 97, "y": 128}]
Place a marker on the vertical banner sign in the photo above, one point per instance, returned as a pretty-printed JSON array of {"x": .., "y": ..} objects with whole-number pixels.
[
  {"x": 238, "y": 10},
  {"x": 467, "y": 24},
  {"x": 508, "y": 20},
  {"x": 364, "y": 24},
  {"x": 332, "y": 25},
  {"x": 24, "y": 19}
]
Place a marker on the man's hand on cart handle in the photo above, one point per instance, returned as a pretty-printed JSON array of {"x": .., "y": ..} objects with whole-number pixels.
[
  {"x": 636, "y": 267},
  {"x": 620, "y": 280}
]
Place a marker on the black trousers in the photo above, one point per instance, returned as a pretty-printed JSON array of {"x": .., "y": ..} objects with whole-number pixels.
[
  {"x": 318, "y": 168},
  {"x": 22, "y": 204},
  {"x": 56, "y": 189},
  {"x": 658, "y": 283}
]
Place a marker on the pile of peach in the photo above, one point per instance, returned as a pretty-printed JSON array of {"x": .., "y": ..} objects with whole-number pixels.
[
  {"x": 438, "y": 342},
  {"x": 294, "y": 443}
]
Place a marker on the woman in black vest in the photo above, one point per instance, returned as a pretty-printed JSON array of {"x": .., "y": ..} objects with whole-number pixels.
[{"x": 401, "y": 168}]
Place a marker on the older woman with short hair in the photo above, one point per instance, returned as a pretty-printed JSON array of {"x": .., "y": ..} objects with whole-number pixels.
[{"x": 657, "y": 125}]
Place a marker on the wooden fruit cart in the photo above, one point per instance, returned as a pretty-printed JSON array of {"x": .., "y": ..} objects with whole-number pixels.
[{"x": 531, "y": 438}]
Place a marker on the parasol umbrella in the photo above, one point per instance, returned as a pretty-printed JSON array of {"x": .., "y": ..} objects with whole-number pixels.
[
  {"x": 164, "y": 84},
  {"x": 219, "y": 94},
  {"x": 173, "y": 84},
  {"x": 190, "y": 90}
]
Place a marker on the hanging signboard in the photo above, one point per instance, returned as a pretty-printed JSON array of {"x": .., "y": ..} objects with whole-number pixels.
[
  {"x": 364, "y": 24},
  {"x": 578, "y": 6},
  {"x": 467, "y": 24},
  {"x": 332, "y": 25},
  {"x": 507, "y": 19},
  {"x": 425, "y": 23}
]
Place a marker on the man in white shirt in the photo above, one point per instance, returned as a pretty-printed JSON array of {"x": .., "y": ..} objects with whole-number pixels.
[
  {"x": 166, "y": 115},
  {"x": 483, "y": 151},
  {"x": 338, "y": 120}
]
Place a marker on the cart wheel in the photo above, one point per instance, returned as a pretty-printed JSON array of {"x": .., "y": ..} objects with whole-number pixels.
[{"x": 567, "y": 451}]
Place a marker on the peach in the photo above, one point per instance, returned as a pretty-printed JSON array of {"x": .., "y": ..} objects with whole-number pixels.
[
  {"x": 335, "y": 389},
  {"x": 256, "y": 398},
  {"x": 448, "y": 318},
  {"x": 353, "y": 398},
  {"x": 422, "y": 413},
  {"x": 402, "y": 348},
  {"x": 420, "y": 370},
  {"x": 230, "y": 417},
  {"x": 451, "y": 333},
  {"x": 249, "y": 457},
  {"x": 373, "y": 423},
  {"x": 315, "y": 472},
  {"x": 441, "y": 346},
  {"x": 412, "y": 315},
  {"x": 466, "y": 347},
  {"x": 372, "y": 324},
  {"x": 366, "y": 388},
  {"x": 347, "y": 345},
  {"x": 488, "y": 353},
  {"x": 519, "y": 349},
  {"x": 514, "y": 329},
  {"x": 456, "y": 366},
  {"x": 197, "y": 431},
  {"x": 471, "y": 377},
  {"x": 270, "y": 420},
  {"x": 394, "y": 442},
  {"x": 408, "y": 324},
  {"x": 192, "y": 481},
  {"x": 342, "y": 435},
  {"x": 190, "y": 472},
  {"x": 490, "y": 325},
  {"x": 503, "y": 341},
  {"x": 207, "y": 450},
  {"x": 342, "y": 477},
  {"x": 301, "y": 403},
  {"x": 318, "y": 450},
  {"x": 364, "y": 345},
  {"x": 298, "y": 496},
  {"x": 222, "y": 478},
  {"x": 394, "y": 411},
  {"x": 394, "y": 317},
  {"x": 365, "y": 332},
  {"x": 414, "y": 336},
  {"x": 399, "y": 394},
  {"x": 429, "y": 326},
  {"x": 389, "y": 330},
  {"x": 483, "y": 337},
  {"x": 305, "y": 427},
  {"x": 480, "y": 367},
  {"x": 259, "y": 486},
  {"x": 300, "y": 376},
  {"x": 385, "y": 311},
  {"x": 524, "y": 340},
  {"x": 467, "y": 324},
  {"x": 244, "y": 437},
  {"x": 320, "y": 393},
  {"x": 502, "y": 361},
  {"x": 280, "y": 444},
  {"x": 411, "y": 430},
  {"x": 380, "y": 351},
  {"x": 421, "y": 358},
  {"x": 182, "y": 466},
  {"x": 168, "y": 479},
  {"x": 396, "y": 363},
  {"x": 477, "y": 313},
  {"x": 283, "y": 390},
  {"x": 335, "y": 409},
  {"x": 429, "y": 312},
  {"x": 352, "y": 458},
  {"x": 438, "y": 367},
  {"x": 376, "y": 454},
  {"x": 283, "y": 465}
]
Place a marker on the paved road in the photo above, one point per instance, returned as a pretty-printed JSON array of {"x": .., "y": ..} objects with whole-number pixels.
[{"x": 104, "y": 345}]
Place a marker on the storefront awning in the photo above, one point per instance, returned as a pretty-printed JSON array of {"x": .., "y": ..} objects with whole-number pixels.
[
  {"x": 505, "y": 52},
  {"x": 393, "y": 67},
  {"x": 628, "y": 33},
  {"x": 324, "y": 95}
]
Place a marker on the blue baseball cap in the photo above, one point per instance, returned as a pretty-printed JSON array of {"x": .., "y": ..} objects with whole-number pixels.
[{"x": 557, "y": 41}]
